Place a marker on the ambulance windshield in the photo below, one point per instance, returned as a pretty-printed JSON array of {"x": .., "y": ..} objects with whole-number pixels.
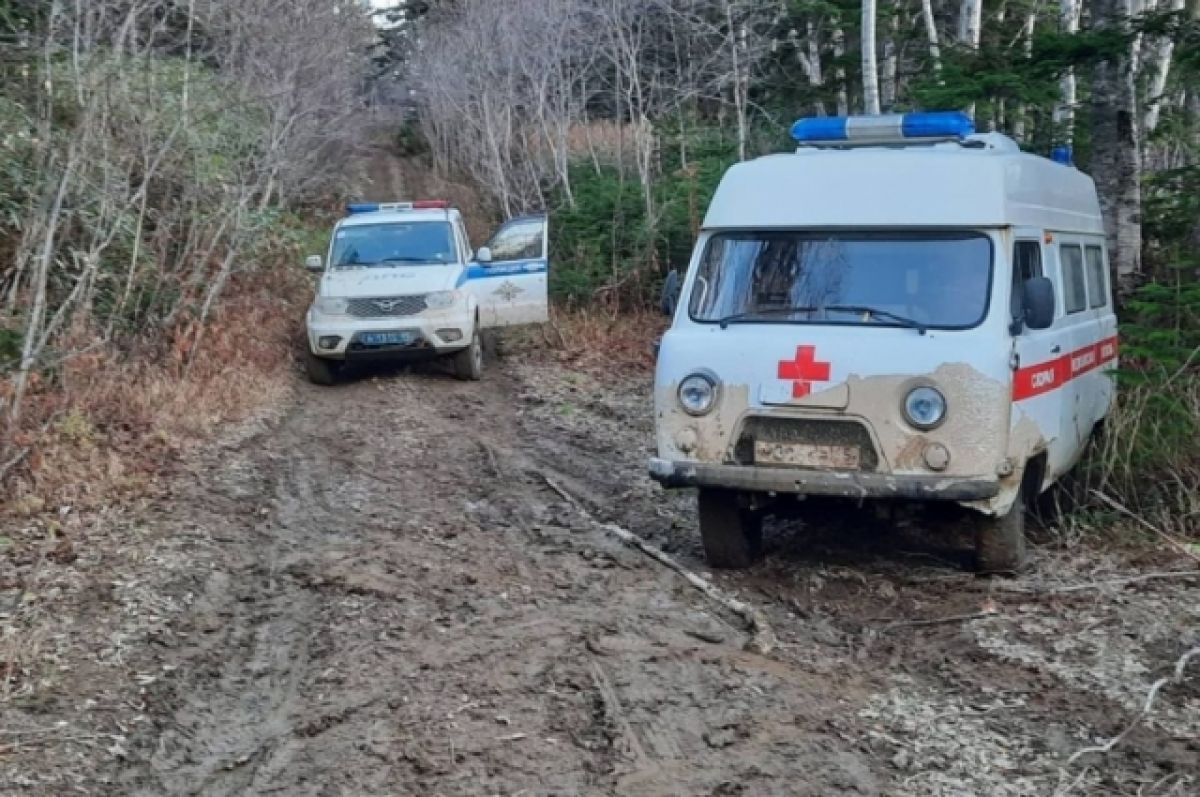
[{"x": 934, "y": 280}]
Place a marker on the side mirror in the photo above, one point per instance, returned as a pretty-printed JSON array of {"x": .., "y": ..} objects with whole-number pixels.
[
  {"x": 1038, "y": 301},
  {"x": 484, "y": 255},
  {"x": 670, "y": 293},
  {"x": 314, "y": 263}
]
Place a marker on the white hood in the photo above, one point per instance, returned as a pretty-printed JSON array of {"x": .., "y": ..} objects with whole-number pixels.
[{"x": 360, "y": 283}]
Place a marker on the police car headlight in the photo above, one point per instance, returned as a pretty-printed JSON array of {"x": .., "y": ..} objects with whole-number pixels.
[
  {"x": 442, "y": 299},
  {"x": 698, "y": 394},
  {"x": 331, "y": 306},
  {"x": 925, "y": 407}
]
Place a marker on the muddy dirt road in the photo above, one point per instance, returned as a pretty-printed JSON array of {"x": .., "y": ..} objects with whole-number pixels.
[{"x": 375, "y": 592}]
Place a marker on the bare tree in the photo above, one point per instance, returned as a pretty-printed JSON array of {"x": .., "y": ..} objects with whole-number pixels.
[{"x": 870, "y": 69}]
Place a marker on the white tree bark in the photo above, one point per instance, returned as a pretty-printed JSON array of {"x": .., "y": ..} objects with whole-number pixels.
[
  {"x": 870, "y": 68},
  {"x": 970, "y": 27},
  {"x": 1064, "y": 113},
  {"x": 1159, "y": 67},
  {"x": 931, "y": 35}
]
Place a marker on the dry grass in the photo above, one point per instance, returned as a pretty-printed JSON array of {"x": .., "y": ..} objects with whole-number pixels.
[
  {"x": 586, "y": 339},
  {"x": 105, "y": 424}
]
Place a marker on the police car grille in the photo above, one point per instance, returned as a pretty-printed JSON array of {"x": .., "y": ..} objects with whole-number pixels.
[
  {"x": 386, "y": 307},
  {"x": 815, "y": 432}
]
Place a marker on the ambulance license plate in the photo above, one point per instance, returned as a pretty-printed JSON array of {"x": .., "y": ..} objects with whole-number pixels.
[{"x": 805, "y": 455}]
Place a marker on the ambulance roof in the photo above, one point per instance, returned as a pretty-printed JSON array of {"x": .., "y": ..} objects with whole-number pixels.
[{"x": 984, "y": 181}]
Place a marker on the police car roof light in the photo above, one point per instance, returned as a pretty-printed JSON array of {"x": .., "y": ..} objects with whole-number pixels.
[
  {"x": 376, "y": 207},
  {"x": 883, "y": 129}
]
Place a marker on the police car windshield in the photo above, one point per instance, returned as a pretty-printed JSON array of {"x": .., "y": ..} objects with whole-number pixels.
[
  {"x": 394, "y": 244},
  {"x": 921, "y": 280}
]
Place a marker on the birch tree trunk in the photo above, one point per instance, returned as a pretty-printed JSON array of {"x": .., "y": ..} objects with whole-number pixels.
[
  {"x": 870, "y": 68},
  {"x": 1159, "y": 67},
  {"x": 1064, "y": 114},
  {"x": 970, "y": 25},
  {"x": 931, "y": 34},
  {"x": 1116, "y": 155}
]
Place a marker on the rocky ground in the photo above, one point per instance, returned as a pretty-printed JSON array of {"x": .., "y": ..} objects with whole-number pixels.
[{"x": 374, "y": 590}]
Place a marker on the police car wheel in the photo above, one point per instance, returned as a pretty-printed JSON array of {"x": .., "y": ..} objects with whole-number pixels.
[
  {"x": 320, "y": 370},
  {"x": 468, "y": 363},
  {"x": 732, "y": 535},
  {"x": 1000, "y": 541}
]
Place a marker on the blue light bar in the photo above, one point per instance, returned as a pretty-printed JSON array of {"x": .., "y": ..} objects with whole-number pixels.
[
  {"x": 1062, "y": 154},
  {"x": 361, "y": 207},
  {"x": 884, "y": 129}
]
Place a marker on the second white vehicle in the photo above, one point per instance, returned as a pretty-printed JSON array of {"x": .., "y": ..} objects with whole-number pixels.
[{"x": 401, "y": 282}]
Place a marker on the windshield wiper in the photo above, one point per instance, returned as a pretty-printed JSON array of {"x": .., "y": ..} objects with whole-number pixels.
[
  {"x": 407, "y": 260},
  {"x": 903, "y": 321},
  {"x": 765, "y": 311}
]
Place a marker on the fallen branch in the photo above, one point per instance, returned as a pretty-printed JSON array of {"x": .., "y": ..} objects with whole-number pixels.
[
  {"x": 1176, "y": 677},
  {"x": 1129, "y": 513},
  {"x": 762, "y": 639},
  {"x": 958, "y": 618}
]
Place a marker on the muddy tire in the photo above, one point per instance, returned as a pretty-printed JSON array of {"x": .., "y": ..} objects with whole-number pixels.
[
  {"x": 468, "y": 363},
  {"x": 732, "y": 536},
  {"x": 1000, "y": 541},
  {"x": 320, "y": 370}
]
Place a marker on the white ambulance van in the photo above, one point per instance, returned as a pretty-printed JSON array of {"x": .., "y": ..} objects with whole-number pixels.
[
  {"x": 401, "y": 283},
  {"x": 900, "y": 310}
]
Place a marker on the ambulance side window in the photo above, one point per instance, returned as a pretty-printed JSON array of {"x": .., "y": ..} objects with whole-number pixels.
[
  {"x": 1074, "y": 283},
  {"x": 1027, "y": 264},
  {"x": 1097, "y": 289}
]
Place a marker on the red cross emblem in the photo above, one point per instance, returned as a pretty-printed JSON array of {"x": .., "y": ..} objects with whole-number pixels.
[{"x": 804, "y": 370}]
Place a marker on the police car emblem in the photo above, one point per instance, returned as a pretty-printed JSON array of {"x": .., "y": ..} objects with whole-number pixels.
[{"x": 508, "y": 291}]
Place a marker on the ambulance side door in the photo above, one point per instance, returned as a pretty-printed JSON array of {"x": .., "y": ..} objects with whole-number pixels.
[
  {"x": 1038, "y": 375},
  {"x": 512, "y": 288},
  {"x": 1078, "y": 330}
]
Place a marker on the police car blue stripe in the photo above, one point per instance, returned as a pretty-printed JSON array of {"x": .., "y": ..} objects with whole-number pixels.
[{"x": 478, "y": 272}]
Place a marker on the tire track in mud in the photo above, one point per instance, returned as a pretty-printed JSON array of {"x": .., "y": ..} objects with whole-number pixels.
[{"x": 402, "y": 607}]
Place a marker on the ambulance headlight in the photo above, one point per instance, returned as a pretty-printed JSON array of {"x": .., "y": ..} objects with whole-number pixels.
[
  {"x": 925, "y": 407},
  {"x": 698, "y": 394}
]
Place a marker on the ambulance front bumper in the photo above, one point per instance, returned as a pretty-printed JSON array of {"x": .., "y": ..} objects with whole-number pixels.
[{"x": 829, "y": 483}]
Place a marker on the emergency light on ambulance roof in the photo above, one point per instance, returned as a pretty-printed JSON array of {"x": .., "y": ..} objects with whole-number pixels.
[
  {"x": 897, "y": 128},
  {"x": 378, "y": 207}
]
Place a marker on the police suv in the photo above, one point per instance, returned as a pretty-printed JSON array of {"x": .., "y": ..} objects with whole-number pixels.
[
  {"x": 900, "y": 310},
  {"x": 401, "y": 283}
]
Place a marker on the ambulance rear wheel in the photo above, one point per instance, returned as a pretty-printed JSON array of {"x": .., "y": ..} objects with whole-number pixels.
[
  {"x": 1000, "y": 541},
  {"x": 731, "y": 534}
]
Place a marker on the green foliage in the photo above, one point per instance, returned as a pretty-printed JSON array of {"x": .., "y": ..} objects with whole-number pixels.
[{"x": 605, "y": 238}]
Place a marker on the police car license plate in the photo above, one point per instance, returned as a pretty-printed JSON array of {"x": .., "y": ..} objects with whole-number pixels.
[
  {"x": 805, "y": 455},
  {"x": 387, "y": 338}
]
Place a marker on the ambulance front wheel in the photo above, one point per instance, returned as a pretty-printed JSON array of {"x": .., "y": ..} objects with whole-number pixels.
[
  {"x": 731, "y": 534},
  {"x": 1000, "y": 541}
]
